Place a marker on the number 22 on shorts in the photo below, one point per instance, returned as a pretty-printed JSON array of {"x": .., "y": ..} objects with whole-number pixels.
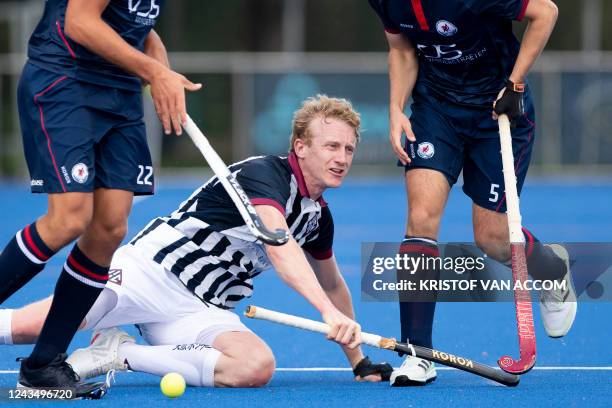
[{"x": 144, "y": 175}]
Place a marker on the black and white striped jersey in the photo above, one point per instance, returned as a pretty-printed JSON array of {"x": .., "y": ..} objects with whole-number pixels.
[{"x": 207, "y": 245}]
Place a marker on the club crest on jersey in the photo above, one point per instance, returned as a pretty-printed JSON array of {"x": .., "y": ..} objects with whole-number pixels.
[
  {"x": 425, "y": 150},
  {"x": 311, "y": 226},
  {"x": 446, "y": 28},
  {"x": 80, "y": 173}
]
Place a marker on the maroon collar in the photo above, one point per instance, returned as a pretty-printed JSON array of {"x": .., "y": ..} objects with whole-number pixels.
[{"x": 297, "y": 171}]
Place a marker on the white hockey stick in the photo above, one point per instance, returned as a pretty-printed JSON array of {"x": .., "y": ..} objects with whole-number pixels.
[
  {"x": 234, "y": 190},
  {"x": 511, "y": 380},
  {"x": 522, "y": 297}
]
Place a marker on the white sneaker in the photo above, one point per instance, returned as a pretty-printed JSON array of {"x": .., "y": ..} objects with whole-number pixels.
[
  {"x": 558, "y": 307},
  {"x": 102, "y": 354},
  {"x": 414, "y": 371}
]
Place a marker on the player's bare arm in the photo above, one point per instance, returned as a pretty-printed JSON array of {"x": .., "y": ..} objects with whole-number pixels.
[
  {"x": 331, "y": 280},
  {"x": 542, "y": 16},
  {"x": 403, "y": 70},
  {"x": 84, "y": 25},
  {"x": 292, "y": 266},
  {"x": 155, "y": 48}
]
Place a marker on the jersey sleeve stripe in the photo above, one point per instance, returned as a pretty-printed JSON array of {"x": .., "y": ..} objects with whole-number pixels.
[
  {"x": 61, "y": 34},
  {"x": 392, "y": 30},
  {"x": 420, "y": 14},
  {"x": 521, "y": 14},
  {"x": 268, "y": 201},
  {"x": 321, "y": 255}
]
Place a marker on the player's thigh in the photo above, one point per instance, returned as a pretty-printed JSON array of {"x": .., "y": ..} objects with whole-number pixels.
[
  {"x": 483, "y": 176},
  {"x": 57, "y": 131},
  {"x": 437, "y": 157},
  {"x": 144, "y": 296},
  {"x": 185, "y": 319},
  {"x": 438, "y": 146},
  {"x": 123, "y": 160},
  {"x": 484, "y": 180}
]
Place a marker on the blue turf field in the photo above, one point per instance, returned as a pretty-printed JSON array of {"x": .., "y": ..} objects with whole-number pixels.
[{"x": 373, "y": 210}]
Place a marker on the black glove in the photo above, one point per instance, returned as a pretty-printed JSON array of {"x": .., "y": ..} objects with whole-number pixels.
[
  {"x": 510, "y": 102},
  {"x": 365, "y": 368}
]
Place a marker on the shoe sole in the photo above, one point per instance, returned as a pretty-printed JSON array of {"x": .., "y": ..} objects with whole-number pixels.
[
  {"x": 99, "y": 388},
  {"x": 562, "y": 253},
  {"x": 405, "y": 381}
]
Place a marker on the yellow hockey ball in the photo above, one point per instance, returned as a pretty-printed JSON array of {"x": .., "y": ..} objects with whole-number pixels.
[{"x": 172, "y": 385}]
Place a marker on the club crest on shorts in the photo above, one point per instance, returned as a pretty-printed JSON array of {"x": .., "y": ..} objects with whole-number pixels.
[
  {"x": 446, "y": 28},
  {"x": 426, "y": 150},
  {"x": 115, "y": 276},
  {"x": 80, "y": 173}
]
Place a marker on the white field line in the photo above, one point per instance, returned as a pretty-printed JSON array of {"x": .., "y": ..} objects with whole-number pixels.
[
  {"x": 543, "y": 368},
  {"x": 323, "y": 369}
]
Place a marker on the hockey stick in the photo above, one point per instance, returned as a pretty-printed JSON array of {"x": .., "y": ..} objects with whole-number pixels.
[
  {"x": 390, "y": 344},
  {"x": 234, "y": 190},
  {"x": 522, "y": 297}
]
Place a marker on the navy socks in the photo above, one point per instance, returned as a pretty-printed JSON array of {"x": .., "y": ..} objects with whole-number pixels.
[
  {"x": 542, "y": 263},
  {"x": 76, "y": 291},
  {"x": 416, "y": 317},
  {"x": 22, "y": 259}
]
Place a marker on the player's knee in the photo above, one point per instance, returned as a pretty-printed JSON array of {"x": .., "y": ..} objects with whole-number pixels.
[
  {"x": 110, "y": 230},
  {"x": 73, "y": 225},
  {"x": 493, "y": 243},
  {"x": 256, "y": 370},
  {"x": 423, "y": 222}
]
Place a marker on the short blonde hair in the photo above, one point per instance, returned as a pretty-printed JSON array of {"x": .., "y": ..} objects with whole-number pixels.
[{"x": 325, "y": 107}]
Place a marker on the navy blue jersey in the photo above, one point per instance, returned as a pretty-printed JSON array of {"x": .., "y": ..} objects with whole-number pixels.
[
  {"x": 50, "y": 48},
  {"x": 466, "y": 48}
]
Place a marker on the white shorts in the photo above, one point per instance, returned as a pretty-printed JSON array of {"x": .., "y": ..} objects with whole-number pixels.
[{"x": 145, "y": 294}]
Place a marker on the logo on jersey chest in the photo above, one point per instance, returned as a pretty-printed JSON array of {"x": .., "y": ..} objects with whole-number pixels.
[
  {"x": 446, "y": 28},
  {"x": 146, "y": 11},
  {"x": 312, "y": 225}
]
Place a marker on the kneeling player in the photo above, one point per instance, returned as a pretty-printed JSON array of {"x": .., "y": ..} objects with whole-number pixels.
[{"x": 179, "y": 278}]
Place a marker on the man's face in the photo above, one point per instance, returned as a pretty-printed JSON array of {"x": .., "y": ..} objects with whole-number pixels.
[{"x": 326, "y": 161}]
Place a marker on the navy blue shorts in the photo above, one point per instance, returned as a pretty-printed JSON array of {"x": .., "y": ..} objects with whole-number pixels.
[
  {"x": 78, "y": 137},
  {"x": 451, "y": 138}
]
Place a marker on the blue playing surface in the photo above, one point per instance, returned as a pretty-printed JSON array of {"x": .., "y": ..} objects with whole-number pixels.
[{"x": 367, "y": 210}]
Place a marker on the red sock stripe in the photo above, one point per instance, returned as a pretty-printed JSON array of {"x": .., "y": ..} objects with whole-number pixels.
[
  {"x": 419, "y": 248},
  {"x": 530, "y": 241},
  {"x": 32, "y": 246},
  {"x": 420, "y": 14},
  {"x": 84, "y": 271}
]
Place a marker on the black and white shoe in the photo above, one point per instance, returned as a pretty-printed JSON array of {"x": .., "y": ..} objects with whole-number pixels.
[
  {"x": 59, "y": 375},
  {"x": 413, "y": 371}
]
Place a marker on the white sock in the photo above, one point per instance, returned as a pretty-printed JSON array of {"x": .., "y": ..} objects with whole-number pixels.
[
  {"x": 195, "y": 362},
  {"x": 6, "y": 334}
]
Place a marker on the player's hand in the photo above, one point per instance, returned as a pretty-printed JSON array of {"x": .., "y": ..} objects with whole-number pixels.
[
  {"x": 510, "y": 102},
  {"x": 168, "y": 93},
  {"x": 343, "y": 330},
  {"x": 400, "y": 124},
  {"x": 367, "y": 371}
]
